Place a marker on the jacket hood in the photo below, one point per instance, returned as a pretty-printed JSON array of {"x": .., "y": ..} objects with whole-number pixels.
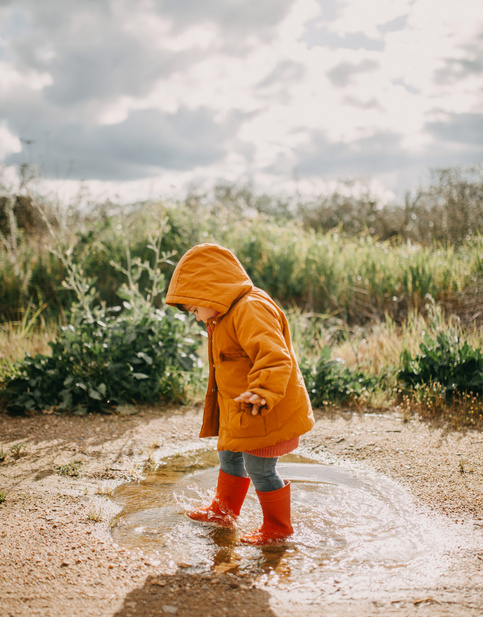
[{"x": 208, "y": 275}]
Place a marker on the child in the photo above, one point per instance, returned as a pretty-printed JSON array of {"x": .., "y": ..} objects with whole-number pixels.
[{"x": 256, "y": 402}]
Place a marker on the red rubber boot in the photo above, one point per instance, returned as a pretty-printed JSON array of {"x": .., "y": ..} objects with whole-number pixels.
[
  {"x": 225, "y": 507},
  {"x": 276, "y": 517}
]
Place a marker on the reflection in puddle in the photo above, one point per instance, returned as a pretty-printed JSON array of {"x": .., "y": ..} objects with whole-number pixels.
[{"x": 353, "y": 529}]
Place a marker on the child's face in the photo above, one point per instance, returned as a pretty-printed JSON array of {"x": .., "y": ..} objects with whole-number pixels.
[{"x": 200, "y": 312}]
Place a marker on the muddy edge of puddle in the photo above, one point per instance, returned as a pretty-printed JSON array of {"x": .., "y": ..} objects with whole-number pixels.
[{"x": 349, "y": 523}]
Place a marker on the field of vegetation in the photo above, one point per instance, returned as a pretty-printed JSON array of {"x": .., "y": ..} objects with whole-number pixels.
[{"x": 385, "y": 301}]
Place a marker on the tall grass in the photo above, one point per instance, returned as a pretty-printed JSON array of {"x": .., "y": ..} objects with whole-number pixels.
[
  {"x": 375, "y": 347},
  {"x": 358, "y": 278},
  {"x": 31, "y": 334},
  {"x": 376, "y": 351},
  {"x": 358, "y": 259}
]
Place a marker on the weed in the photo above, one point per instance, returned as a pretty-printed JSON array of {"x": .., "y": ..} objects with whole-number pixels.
[
  {"x": 105, "y": 491},
  {"x": 469, "y": 408},
  {"x": 115, "y": 520},
  {"x": 17, "y": 450},
  {"x": 18, "y": 338},
  {"x": 95, "y": 515},
  {"x": 150, "y": 464},
  {"x": 70, "y": 469},
  {"x": 3, "y": 496},
  {"x": 3, "y": 456},
  {"x": 430, "y": 401}
]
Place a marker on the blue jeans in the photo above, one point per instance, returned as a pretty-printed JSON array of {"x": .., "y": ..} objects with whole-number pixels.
[{"x": 261, "y": 470}]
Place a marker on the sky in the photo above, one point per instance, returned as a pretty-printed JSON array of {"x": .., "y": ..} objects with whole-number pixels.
[{"x": 133, "y": 99}]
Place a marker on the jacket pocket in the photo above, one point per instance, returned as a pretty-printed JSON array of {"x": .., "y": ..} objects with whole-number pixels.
[
  {"x": 231, "y": 356},
  {"x": 241, "y": 423}
]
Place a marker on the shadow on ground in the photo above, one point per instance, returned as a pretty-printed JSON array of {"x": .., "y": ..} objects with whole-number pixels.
[{"x": 192, "y": 595}]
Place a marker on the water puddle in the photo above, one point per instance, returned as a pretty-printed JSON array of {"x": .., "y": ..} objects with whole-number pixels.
[{"x": 354, "y": 529}]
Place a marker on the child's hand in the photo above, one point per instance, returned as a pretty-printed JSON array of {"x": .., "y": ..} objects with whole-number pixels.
[{"x": 254, "y": 399}]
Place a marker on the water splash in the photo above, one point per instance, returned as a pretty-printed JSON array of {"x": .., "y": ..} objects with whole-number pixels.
[{"x": 353, "y": 529}]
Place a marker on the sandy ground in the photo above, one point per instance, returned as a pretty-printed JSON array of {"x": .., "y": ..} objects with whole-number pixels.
[{"x": 56, "y": 559}]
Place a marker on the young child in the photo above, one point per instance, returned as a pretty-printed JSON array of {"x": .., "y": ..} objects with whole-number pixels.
[{"x": 256, "y": 402}]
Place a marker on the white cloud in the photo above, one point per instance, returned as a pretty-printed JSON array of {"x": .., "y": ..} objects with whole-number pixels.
[
  {"x": 245, "y": 89},
  {"x": 367, "y": 17},
  {"x": 9, "y": 143},
  {"x": 12, "y": 78}
]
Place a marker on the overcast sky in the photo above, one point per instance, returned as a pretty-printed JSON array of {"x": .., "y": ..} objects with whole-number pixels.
[{"x": 138, "y": 97}]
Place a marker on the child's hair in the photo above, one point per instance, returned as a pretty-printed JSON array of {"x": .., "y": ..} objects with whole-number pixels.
[{"x": 181, "y": 307}]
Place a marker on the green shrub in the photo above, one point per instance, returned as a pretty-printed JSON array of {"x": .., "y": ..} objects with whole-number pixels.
[
  {"x": 102, "y": 363},
  {"x": 331, "y": 381},
  {"x": 455, "y": 366},
  {"x": 130, "y": 353}
]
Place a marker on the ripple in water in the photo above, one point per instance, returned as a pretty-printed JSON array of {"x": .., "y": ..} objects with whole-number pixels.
[{"x": 353, "y": 529}]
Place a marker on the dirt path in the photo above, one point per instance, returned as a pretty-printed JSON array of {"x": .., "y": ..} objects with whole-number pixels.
[{"x": 56, "y": 559}]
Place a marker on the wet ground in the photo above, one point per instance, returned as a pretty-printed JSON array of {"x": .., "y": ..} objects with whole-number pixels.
[
  {"x": 388, "y": 520},
  {"x": 356, "y": 532}
]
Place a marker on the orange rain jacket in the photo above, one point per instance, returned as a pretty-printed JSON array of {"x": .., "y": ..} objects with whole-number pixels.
[{"x": 249, "y": 350}]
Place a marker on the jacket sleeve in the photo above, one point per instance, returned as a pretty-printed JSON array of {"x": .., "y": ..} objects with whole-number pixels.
[{"x": 259, "y": 331}]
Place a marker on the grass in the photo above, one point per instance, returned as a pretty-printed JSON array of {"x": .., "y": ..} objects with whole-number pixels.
[
  {"x": 357, "y": 277},
  {"x": 3, "y": 496},
  {"x": 367, "y": 280},
  {"x": 149, "y": 464},
  {"x": 95, "y": 515},
  {"x": 17, "y": 339},
  {"x": 71, "y": 469},
  {"x": 115, "y": 520},
  {"x": 105, "y": 491},
  {"x": 17, "y": 450},
  {"x": 374, "y": 348},
  {"x": 463, "y": 466}
]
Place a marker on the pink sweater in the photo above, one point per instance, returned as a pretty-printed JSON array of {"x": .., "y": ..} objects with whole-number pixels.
[{"x": 279, "y": 449}]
